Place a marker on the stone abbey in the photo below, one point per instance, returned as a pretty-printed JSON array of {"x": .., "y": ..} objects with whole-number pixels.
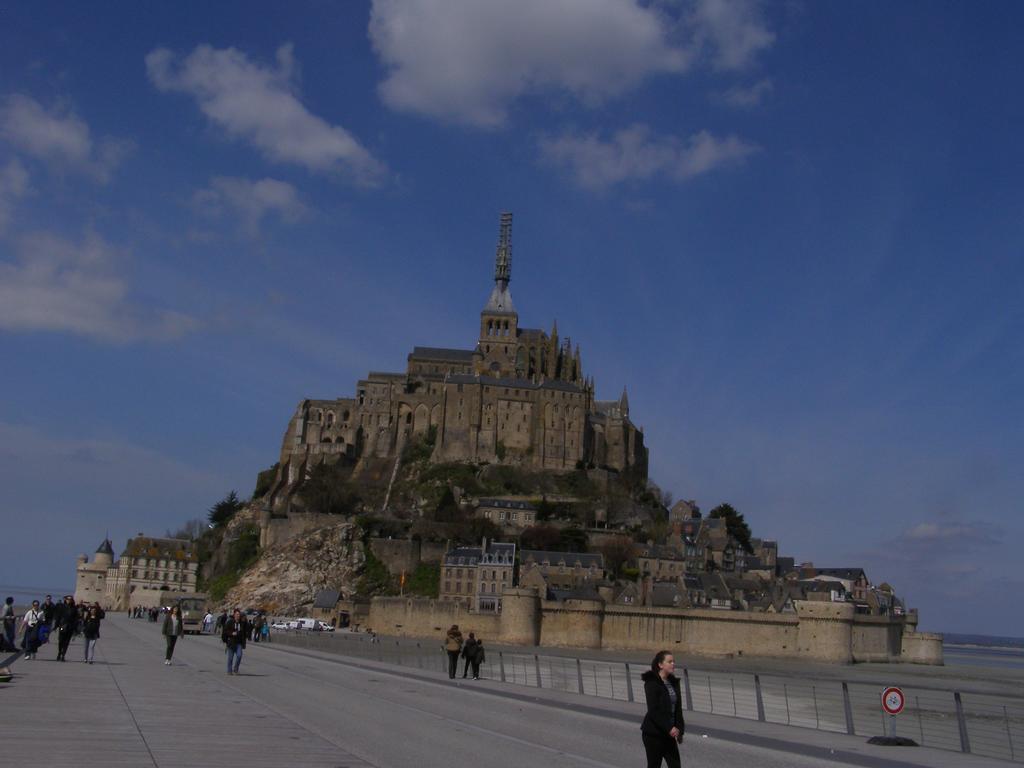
[{"x": 519, "y": 397}]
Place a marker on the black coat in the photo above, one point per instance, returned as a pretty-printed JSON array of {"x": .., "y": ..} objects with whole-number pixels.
[
  {"x": 66, "y": 618},
  {"x": 235, "y": 637},
  {"x": 91, "y": 628},
  {"x": 659, "y": 718}
]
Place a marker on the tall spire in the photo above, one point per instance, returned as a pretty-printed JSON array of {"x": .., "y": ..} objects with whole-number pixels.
[
  {"x": 501, "y": 297},
  {"x": 503, "y": 256}
]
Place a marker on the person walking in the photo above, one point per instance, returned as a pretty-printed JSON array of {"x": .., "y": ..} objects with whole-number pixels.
[
  {"x": 663, "y": 725},
  {"x": 453, "y": 644},
  {"x": 478, "y": 658},
  {"x": 468, "y": 652},
  {"x": 91, "y": 633},
  {"x": 173, "y": 628},
  {"x": 66, "y": 624},
  {"x": 10, "y": 623},
  {"x": 49, "y": 609},
  {"x": 208, "y": 623},
  {"x": 236, "y": 630},
  {"x": 31, "y": 622}
]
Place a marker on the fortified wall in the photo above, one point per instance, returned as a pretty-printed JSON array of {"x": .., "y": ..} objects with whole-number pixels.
[{"x": 828, "y": 632}]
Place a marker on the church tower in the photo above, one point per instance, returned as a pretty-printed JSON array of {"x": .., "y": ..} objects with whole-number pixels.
[{"x": 499, "y": 322}]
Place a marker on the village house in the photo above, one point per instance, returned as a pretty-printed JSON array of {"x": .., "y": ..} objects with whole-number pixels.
[
  {"x": 562, "y": 570},
  {"x": 660, "y": 562},
  {"x": 508, "y": 514},
  {"x": 475, "y": 577}
]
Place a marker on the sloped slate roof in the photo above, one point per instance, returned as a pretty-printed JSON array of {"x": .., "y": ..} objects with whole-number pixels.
[
  {"x": 326, "y": 598},
  {"x": 146, "y": 546},
  {"x": 442, "y": 354},
  {"x": 585, "y": 559},
  {"x": 662, "y": 552},
  {"x": 505, "y": 504},
  {"x": 841, "y": 573}
]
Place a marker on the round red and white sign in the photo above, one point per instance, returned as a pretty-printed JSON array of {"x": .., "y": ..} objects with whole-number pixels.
[{"x": 892, "y": 701}]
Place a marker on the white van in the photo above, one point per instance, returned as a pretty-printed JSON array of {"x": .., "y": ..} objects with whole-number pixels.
[{"x": 303, "y": 624}]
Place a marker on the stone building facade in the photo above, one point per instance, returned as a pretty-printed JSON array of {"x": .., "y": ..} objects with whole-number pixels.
[
  {"x": 149, "y": 568},
  {"x": 476, "y": 577},
  {"x": 517, "y": 396},
  {"x": 562, "y": 570},
  {"x": 511, "y": 515}
]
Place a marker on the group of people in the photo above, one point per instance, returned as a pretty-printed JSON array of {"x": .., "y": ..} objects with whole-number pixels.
[
  {"x": 66, "y": 618},
  {"x": 662, "y": 728},
  {"x": 235, "y": 631},
  {"x": 471, "y": 650},
  {"x": 143, "y": 612}
]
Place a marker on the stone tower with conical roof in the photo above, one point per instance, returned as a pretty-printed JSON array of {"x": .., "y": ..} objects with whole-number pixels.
[{"x": 91, "y": 578}]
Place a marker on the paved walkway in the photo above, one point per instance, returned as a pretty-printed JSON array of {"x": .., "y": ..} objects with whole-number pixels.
[{"x": 292, "y": 707}]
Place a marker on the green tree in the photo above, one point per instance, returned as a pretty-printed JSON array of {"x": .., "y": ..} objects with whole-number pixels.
[
  {"x": 573, "y": 540},
  {"x": 265, "y": 481},
  {"x": 329, "y": 490},
  {"x": 735, "y": 525},
  {"x": 225, "y": 509},
  {"x": 376, "y": 580},
  {"x": 618, "y": 552},
  {"x": 471, "y": 530},
  {"x": 540, "y": 537},
  {"x": 447, "y": 510},
  {"x": 424, "y": 581}
]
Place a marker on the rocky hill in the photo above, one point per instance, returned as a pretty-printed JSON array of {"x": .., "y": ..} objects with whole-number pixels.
[{"x": 285, "y": 579}]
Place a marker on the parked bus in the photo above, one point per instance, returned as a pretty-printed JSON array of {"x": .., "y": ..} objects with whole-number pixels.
[{"x": 193, "y": 610}]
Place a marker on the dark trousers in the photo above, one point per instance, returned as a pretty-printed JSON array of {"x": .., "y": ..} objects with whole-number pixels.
[
  {"x": 63, "y": 641},
  {"x": 476, "y": 669},
  {"x": 465, "y": 668},
  {"x": 453, "y": 663},
  {"x": 171, "y": 640},
  {"x": 660, "y": 748},
  {"x": 31, "y": 641}
]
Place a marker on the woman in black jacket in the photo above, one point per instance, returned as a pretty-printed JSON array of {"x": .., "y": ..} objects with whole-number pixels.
[
  {"x": 663, "y": 724},
  {"x": 174, "y": 627},
  {"x": 91, "y": 632}
]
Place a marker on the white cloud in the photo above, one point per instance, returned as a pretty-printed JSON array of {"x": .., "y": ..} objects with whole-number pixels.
[
  {"x": 930, "y": 536},
  {"x": 13, "y": 185},
  {"x": 42, "y": 469},
  {"x": 745, "y": 97},
  {"x": 58, "y": 285},
  {"x": 467, "y": 60},
  {"x": 260, "y": 105},
  {"x": 733, "y": 31},
  {"x": 59, "y": 137},
  {"x": 250, "y": 200},
  {"x": 633, "y": 154}
]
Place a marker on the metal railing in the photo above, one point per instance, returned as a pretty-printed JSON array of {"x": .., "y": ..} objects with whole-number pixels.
[{"x": 988, "y": 725}]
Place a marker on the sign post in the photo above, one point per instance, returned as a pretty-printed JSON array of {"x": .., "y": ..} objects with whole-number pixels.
[{"x": 892, "y": 704}]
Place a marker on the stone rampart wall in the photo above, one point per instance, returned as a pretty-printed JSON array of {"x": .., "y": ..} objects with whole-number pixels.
[
  {"x": 419, "y": 617},
  {"x": 921, "y": 648},
  {"x": 820, "y": 631},
  {"x": 701, "y": 631},
  {"x": 876, "y": 638},
  {"x": 278, "y": 530},
  {"x": 432, "y": 551},
  {"x": 398, "y": 555}
]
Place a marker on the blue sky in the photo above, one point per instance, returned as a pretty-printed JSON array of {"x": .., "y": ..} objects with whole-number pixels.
[{"x": 793, "y": 231}]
